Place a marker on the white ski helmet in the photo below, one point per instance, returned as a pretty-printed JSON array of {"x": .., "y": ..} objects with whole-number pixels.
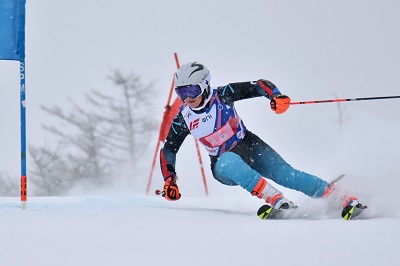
[{"x": 194, "y": 73}]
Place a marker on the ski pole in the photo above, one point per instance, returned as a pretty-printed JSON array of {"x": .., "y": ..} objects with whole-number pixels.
[{"x": 345, "y": 100}]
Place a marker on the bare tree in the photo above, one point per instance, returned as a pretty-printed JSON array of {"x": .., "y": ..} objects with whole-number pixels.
[
  {"x": 131, "y": 120},
  {"x": 95, "y": 143},
  {"x": 81, "y": 157},
  {"x": 9, "y": 185}
]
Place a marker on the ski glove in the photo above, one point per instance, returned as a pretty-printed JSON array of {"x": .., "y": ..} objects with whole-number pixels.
[
  {"x": 280, "y": 103},
  {"x": 171, "y": 190}
]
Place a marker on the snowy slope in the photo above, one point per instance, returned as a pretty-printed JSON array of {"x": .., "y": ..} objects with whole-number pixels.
[{"x": 144, "y": 230}]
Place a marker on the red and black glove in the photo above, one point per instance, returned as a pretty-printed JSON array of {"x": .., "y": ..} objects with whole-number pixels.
[
  {"x": 171, "y": 190},
  {"x": 280, "y": 103}
]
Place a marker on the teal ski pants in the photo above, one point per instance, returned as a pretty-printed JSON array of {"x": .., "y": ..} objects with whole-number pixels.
[{"x": 253, "y": 159}]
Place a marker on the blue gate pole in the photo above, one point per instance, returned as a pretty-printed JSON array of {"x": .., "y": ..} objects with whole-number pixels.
[{"x": 23, "y": 136}]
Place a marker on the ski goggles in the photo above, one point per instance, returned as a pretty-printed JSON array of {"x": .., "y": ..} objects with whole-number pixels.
[{"x": 191, "y": 91}]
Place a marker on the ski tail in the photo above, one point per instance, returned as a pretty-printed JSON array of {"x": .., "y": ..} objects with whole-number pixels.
[{"x": 337, "y": 179}]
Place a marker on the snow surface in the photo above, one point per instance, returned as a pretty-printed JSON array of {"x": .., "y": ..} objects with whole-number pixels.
[
  {"x": 147, "y": 230},
  {"x": 355, "y": 54}
]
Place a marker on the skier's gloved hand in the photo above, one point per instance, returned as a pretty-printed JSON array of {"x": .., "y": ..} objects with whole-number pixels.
[
  {"x": 280, "y": 103},
  {"x": 171, "y": 190}
]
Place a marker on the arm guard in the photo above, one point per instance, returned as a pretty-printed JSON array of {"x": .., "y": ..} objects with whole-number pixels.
[
  {"x": 175, "y": 138},
  {"x": 167, "y": 169},
  {"x": 267, "y": 88},
  {"x": 244, "y": 90}
]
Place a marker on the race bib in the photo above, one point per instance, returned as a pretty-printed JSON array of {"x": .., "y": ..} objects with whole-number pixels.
[{"x": 223, "y": 134}]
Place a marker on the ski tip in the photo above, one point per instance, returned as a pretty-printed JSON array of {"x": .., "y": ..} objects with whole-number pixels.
[
  {"x": 264, "y": 211},
  {"x": 349, "y": 212}
]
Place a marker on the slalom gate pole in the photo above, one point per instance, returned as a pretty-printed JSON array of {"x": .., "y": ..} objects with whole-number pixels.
[
  {"x": 201, "y": 167},
  {"x": 196, "y": 143},
  {"x": 345, "y": 100},
  {"x": 158, "y": 142},
  {"x": 24, "y": 193},
  {"x": 152, "y": 167},
  {"x": 12, "y": 47}
]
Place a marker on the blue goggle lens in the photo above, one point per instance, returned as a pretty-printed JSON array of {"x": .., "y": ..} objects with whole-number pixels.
[{"x": 191, "y": 91}]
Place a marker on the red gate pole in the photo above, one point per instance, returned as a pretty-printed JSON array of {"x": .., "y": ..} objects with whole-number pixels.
[
  {"x": 160, "y": 137},
  {"x": 197, "y": 145},
  {"x": 166, "y": 118}
]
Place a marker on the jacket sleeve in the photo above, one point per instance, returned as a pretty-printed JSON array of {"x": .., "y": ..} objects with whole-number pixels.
[
  {"x": 176, "y": 135},
  {"x": 249, "y": 89}
]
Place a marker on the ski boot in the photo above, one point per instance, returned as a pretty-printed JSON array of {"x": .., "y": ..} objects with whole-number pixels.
[{"x": 272, "y": 196}]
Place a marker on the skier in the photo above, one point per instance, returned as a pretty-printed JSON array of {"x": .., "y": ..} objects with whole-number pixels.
[{"x": 238, "y": 156}]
